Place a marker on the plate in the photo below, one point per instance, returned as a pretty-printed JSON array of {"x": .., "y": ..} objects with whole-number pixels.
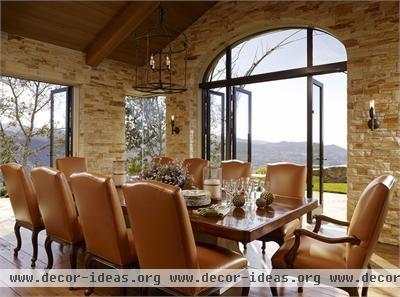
[{"x": 195, "y": 198}]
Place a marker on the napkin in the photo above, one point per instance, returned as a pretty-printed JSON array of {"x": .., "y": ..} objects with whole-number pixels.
[{"x": 212, "y": 211}]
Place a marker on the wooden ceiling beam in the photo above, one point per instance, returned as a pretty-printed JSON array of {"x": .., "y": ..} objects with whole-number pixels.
[{"x": 118, "y": 29}]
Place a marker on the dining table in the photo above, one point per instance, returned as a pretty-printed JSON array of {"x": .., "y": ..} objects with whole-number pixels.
[{"x": 245, "y": 224}]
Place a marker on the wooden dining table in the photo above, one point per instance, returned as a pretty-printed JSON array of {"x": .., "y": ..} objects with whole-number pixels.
[{"x": 246, "y": 223}]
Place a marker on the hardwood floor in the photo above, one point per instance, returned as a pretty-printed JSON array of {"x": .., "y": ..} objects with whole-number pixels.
[{"x": 385, "y": 256}]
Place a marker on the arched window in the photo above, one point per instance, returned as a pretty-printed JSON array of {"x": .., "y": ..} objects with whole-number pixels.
[{"x": 264, "y": 96}]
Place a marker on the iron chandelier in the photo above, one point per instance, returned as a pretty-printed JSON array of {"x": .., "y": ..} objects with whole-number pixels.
[{"x": 155, "y": 71}]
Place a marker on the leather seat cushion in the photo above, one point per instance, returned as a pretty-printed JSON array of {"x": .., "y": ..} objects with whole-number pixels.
[
  {"x": 285, "y": 232},
  {"x": 215, "y": 258},
  {"x": 312, "y": 254}
]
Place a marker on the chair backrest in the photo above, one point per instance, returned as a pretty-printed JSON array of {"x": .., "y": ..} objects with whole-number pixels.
[
  {"x": 56, "y": 204},
  {"x": 22, "y": 194},
  {"x": 163, "y": 234},
  {"x": 287, "y": 179},
  {"x": 235, "y": 169},
  {"x": 70, "y": 165},
  {"x": 162, "y": 160},
  {"x": 101, "y": 218},
  {"x": 195, "y": 168},
  {"x": 367, "y": 221}
]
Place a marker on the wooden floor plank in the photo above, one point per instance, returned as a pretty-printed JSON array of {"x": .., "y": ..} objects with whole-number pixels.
[{"x": 384, "y": 256}]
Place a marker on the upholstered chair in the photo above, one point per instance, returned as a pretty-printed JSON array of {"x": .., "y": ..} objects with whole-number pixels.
[
  {"x": 159, "y": 214},
  {"x": 235, "y": 169},
  {"x": 195, "y": 168},
  {"x": 24, "y": 204},
  {"x": 58, "y": 210},
  {"x": 108, "y": 240},
  {"x": 285, "y": 179},
  {"x": 70, "y": 165},
  {"x": 311, "y": 250},
  {"x": 162, "y": 160}
]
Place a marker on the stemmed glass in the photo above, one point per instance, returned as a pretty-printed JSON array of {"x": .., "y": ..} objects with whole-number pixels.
[{"x": 230, "y": 187}]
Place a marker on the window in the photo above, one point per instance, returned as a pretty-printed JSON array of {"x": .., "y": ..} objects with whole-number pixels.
[
  {"x": 35, "y": 122},
  {"x": 269, "y": 52},
  {"x": 269, "y": 106},
  {"x": 144, "y": 130}
]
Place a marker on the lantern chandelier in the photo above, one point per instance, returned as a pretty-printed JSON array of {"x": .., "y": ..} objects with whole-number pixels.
[{"x": 159, "y": 74}]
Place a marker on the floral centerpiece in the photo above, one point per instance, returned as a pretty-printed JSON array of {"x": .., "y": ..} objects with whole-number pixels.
[{"x": 174, "y": 173}]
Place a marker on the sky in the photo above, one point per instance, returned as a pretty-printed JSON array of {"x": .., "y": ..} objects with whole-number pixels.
[{"x": 279, "y": 107}]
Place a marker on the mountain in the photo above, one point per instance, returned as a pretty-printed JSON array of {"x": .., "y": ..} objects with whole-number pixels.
[{"x": 264, "y": 152}]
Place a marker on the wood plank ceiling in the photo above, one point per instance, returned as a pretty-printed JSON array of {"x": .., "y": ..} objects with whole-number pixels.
[{"x": 102, "y": 29}]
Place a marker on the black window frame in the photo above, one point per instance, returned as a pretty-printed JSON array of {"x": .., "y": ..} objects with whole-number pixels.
[{"x": 309, "y": 71}]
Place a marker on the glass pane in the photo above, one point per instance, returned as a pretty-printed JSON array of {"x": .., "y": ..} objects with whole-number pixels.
[
  {"x": 316, "y": 140},
  {"x": 59, "y": 124},
  {"x": 242, "y": 125},
  {"x": 144, "y": 131},
  {"x": 217, "y": 125},
  {"x": 269, "y": 52},
  {"x": 218, "y": 69},
  {"x": 327, "y": 49},
  {"x": 279, "y": 122},
  {"x": 16, "y": 144}
]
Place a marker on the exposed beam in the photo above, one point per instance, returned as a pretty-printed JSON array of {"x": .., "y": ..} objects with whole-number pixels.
[{"x": 118, "y": 29}]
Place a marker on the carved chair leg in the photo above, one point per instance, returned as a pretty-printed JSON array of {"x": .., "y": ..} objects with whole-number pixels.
[
  {"x": 47, "y": 246},
  {"x": 73, "y": 255},
  {"x": 35, "y": 233},
  {"x": 353, "y": 291},
  {"x": 274, "y": 291},
  {"x": 88, "y": 265},
  {"x": 263, "y": 246},
  {"x": 299, "y": 288},
  {"x": 364, "y": 291},
  {"x": 244, "y": 246},
  {"x": 245, "y": 284},
  {"x": 17, "y": 232}
]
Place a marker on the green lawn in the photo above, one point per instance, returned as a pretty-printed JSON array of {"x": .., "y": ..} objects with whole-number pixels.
[{"x": 330, "y": 187}]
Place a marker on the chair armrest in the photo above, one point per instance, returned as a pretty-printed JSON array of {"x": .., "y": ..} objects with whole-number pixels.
[
  {"x": 331, "y": 240},
  {"x": 320, "y": 218}
]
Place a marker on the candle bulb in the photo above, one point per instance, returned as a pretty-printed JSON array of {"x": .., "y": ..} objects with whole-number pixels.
[
  {"x": 372, "y": 108},
  {"x": 152, "y": 62},
  {"x": 172, "y": 118},
  {"x": 168, "y": 62},
  {"x": 372, "y": 104}
]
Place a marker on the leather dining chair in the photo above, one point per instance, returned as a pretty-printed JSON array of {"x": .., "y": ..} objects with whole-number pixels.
[
  {"x": 195, "y": 168},
  {"x": 24, "y": 204},
  {"x": 58, "y": 211},
  {"x": 285, "y": 179},
  {"x": 108, "y": 240},
  {"x": 147, "y": 199},
  {"x": 235, "y": 169},
  {"x": 70, "y": 165},
  {"x": 311, "y": 250},
  {"x": 162, "y": 160}
]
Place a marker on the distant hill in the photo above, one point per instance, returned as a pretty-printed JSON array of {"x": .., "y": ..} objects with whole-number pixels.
[{"x": 264, "y": 152}]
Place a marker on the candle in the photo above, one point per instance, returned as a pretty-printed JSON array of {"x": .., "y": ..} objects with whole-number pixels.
[
  {"x": 152, "y": 62},
  {"x": 372, "y": 104},
  {"x": 214, "y": 187},
  {"x": 168, "y": 62}
]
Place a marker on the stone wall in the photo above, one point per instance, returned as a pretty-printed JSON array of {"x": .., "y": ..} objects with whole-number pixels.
[
  {"x": 101, "y": 90},
  {"x": 333, "y": 174},
  {"x": 370, "y": 32}
]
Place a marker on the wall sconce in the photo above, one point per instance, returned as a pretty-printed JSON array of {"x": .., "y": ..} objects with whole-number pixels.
[
  {"x": 373, "y": 122},
  {"x": 174, "y": 130}
]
